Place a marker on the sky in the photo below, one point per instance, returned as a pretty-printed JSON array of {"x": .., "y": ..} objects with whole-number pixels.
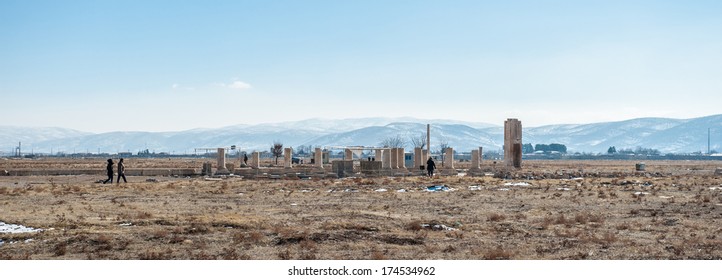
[{"x": 101, "y": 66}]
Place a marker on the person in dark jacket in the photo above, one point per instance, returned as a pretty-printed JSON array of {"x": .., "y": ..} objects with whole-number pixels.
[
  {"x": 121, "y": 171},
  {"x": 110, "y": 172},
  {"x": 430, "y": 166}
]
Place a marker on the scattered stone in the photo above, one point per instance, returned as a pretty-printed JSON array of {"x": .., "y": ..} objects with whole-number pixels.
[{"x": 151, "y": 180}]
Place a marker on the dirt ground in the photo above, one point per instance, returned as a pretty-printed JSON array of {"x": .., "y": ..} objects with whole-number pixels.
[{"x": 547, "y": 210}]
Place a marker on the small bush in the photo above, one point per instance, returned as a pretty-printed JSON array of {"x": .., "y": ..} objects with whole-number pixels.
[{"x": 494, "y": 217}]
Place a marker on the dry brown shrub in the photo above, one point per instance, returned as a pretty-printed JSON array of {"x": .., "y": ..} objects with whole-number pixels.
[
  {"x": 60, "y": 248},
  {"x": 378, "y": 255},
  {"x": 284, "y": 254},
  {"x": 497, "y": 254},
  {"x": 494, "y": 217},
  {"x": 414, "y": 226}
]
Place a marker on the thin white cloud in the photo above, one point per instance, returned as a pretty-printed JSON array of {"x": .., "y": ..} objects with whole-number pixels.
[
  {"x": 238, "y": 85},
  {"x": 235, "y": 85}
]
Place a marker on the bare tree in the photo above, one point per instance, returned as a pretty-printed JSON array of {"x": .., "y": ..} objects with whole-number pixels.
[
  {"x": 393, "y": 142},
  {"x": 277, "y": 150},
  {"x": 418, "y": 141},
  {"x": 443, "y": 144}
]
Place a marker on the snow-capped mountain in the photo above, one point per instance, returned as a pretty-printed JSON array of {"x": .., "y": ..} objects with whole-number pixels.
[{"x": 665, "y": 135}]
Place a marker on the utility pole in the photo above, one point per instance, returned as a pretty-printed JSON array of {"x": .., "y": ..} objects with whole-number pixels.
[{"x": 708, "y": 140}]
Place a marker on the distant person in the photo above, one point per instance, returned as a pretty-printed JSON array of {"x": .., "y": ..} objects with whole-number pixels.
[
  {"x": 121, "y": 171},
  {"x": 430, "y": 166},
  {"x": 110, "y": 172},
  {"x": 245, "y": 159}
]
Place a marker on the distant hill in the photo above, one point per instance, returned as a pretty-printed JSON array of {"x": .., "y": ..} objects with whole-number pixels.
[{"x": 666, "y": 135}]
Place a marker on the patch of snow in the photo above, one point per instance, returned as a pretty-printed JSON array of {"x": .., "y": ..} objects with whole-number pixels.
[
  {"x": 564, "y": 189},
  {"x": 578, "y": 179},
  {"x": 666, "y": 197},
  {"x": 641, "y": 193},
  {"x": 518, "y": 184},
  {"x": 12, "y": 228},
  {"x": 402, "y": 190},
  {"x": 126, "y": 224},
  {"x": 381, "y": 190},
  {"x": 503, "y": 189},
  {"x": 474, "y": 188}
]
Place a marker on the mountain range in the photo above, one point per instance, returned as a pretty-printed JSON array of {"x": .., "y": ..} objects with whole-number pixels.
[{"x": 664, "y": 134}]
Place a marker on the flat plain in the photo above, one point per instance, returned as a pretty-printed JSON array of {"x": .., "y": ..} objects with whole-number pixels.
[{"x": 547, "y": 210}]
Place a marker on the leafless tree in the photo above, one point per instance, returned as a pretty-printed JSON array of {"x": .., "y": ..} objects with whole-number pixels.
[
  {"x": 393, "y": 142},
  {"x": 443, "y": 144},
  {"x": 277, "y": 150},
  {"x": 418, "y": 141}
]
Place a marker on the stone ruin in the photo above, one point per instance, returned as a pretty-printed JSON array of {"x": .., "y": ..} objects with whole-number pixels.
[{"x": 512, "y": 143}]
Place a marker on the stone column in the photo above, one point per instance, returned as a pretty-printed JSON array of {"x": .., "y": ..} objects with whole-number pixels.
[
  {"x": 401, "y": 155},
  {"x": 481, "y": 156},
  {"x": 379, "y": 156},
  {"x": 287, "y": 152},
  {"x": 474, "y": 161},
  {"x": 386, "y": 164},
  {"x": 394, "y": 155},
  {"x": 449, "y": 158},
  {"x": 418, "y": 158},
  {"x": 512, "y": 143},
  {"x": 318, "y": 158},
  {"x": 221, "y": 170},
  {"x": 348, "y": 154},
  {"x": 255, "y": 160}
]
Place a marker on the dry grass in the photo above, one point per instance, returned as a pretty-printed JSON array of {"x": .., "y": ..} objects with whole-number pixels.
[{"x": 601, "y": 216}]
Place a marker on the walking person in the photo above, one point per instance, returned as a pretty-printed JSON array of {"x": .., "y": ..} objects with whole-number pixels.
[
  {"x": 110, "y": 172},
  {"x": 121, "y": 171},
  {"x": 430, "y": 166},
  {"x": 245, "y": 159}
]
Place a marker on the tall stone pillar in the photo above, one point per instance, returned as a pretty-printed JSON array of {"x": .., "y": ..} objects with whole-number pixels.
[
  {"x": 481, "y": 156},
  {"x": 475, "y": 164},
  {"x": 394, "y": 155},
  {"x": 418, "y": 158},
  {"x": 512, "y": 143},
  {"x": 386, "y": 164},
  {"x": 287, "y": 152},
  {"x": 255, "y": 160},
  {"x": 347, "y": 154},
  {"x": 318, "y": 158},
  {"x": 379, "y": 156},
  {"x": 449, "y": 158},
  {"x": 401, "y": 158},
  {"x": 221, "y": 170}
]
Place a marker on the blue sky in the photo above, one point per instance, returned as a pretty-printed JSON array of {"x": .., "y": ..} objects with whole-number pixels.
[{"x": 103, "y": 66}]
